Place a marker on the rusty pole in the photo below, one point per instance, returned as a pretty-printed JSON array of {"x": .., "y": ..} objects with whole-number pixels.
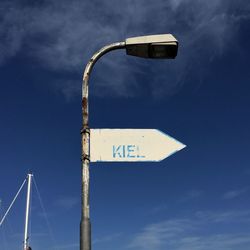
[{"x": 85, "y": 225}]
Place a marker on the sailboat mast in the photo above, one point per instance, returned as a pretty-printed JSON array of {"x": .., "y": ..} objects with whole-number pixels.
[{"x": 26, "y": 238}]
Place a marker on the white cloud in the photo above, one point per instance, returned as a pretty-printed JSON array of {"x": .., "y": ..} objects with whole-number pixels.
[
  {"x": 203, "y": 231},
  {"x": 61, "y": 36},
  {"x": 155, "y": 235},
  {"x": 234, "y": 193},
  {"x": 216, "y": 241},
  {"x": 67, "y": 203},
  {"x": 192, "y": 194},
  {"x": 224, "y": 216},
  {"x": 106, "y": 238},
  {"x": 158, "y": 209}
]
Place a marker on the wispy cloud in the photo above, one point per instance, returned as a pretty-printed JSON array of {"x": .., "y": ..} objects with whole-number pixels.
[
  {"x": 224, "y": 216},
  {"x": 203, "y": 231},
  {"x": 216, "y": 241},
  {"x": 158, "y": 209},
  {"x": 62, "y": 37},
  {"x": 67, "y": 203},
  {"x": 70, "y": 89},
  {"x": 155, "y": 235},
  {"x": 234, "y": 193},
  {"x": 192, "y": 194},
  {"x": 107, "y": 238}
]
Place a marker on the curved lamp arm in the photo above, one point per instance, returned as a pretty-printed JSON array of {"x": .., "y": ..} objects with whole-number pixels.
[{"x": 86, "y": 75}]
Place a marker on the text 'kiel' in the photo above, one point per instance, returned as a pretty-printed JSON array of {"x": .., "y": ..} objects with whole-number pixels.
[{"x": 128, "y": 145}]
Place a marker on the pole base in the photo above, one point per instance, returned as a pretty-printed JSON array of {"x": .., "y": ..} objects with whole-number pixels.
[{"x": 85, "y": 234}]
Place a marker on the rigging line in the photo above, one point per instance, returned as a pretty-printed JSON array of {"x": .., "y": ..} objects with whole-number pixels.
[
  {"x": 8, "y": 223},
  {"x": 12, "y": 202},
  {"x": 44, "y": 213}
]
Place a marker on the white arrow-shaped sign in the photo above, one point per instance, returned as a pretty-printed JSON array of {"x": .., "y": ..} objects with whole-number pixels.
[{"x": 130, "y": 145}]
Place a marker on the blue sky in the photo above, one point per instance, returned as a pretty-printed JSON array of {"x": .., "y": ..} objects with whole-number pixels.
[{"x": 197, "y": 199}]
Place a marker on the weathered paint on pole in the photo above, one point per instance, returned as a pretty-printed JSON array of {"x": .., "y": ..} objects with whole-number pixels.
[
  {"x": 131, "y": 145},
  {"x": 85, "y": 226}
]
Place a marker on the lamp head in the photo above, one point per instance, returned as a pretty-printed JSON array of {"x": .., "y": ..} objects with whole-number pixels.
[{"x": 154, "y": 46}]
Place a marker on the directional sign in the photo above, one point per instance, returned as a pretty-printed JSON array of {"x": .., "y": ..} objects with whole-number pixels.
[{"x": 130, "y": 145}]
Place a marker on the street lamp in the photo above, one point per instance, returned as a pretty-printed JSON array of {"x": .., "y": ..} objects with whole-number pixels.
[{"x": 154, "y": 46}]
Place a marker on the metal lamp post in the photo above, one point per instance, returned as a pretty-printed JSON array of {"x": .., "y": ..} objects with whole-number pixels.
[{"x": 155, "y": 46}]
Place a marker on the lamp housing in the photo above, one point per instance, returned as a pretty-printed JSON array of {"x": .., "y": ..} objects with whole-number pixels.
[{"x": 163, "y": 46}]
